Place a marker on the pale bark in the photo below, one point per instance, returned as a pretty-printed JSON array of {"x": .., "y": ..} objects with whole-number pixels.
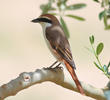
[{"x": 56, "y": 75}]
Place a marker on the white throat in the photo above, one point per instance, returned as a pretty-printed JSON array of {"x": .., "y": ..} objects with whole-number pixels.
[{"x": 45, "y": 25}]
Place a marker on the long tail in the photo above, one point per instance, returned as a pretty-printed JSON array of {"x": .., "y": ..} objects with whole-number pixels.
[{"x": 74, "y": 77}]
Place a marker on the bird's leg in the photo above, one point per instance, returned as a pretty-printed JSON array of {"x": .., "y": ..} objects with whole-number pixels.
[
  {"x": 53, "y": 64},
  {"x": 58, "y": 65}
]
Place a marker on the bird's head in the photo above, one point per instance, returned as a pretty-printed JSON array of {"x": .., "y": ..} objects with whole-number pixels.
[{"x": 46, "y": 20}]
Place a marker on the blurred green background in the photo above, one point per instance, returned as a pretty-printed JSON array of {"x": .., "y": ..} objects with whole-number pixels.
[{"x": 23, "y": 49}]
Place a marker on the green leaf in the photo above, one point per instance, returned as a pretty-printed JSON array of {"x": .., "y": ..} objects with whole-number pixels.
[
  {"x": 51, "y": 1},
  {"x": 45, "y": 8},
  {"x": 99, "y": 48},
  {"x": 91, "y": 38},
  {"x": 62, "y": 1},
  {"x": 76, "y": 6},
  {"x": 105, "y": 21},
  {"x": 52, "y": 8},
  {"x": 102, "y": 14},
  {"x": 61, "y": 4},
  {"x": 97, "y": 65},
  {"x": 108, "y": 64},
  {"x": 96, "y": 1},
  {"x": 76, "y": 17},
  {"x": 102, "y": 4},
  {"x": 42, "y": 7},
  {"x": 64, "y": 27},
  {"x": 105, "y": 68},
  {"x": 106, "y": 2},
  {"x": 53, "y": 13},
  {"x": 108, "y": 11},
  {"x": 107, "y": 27}
]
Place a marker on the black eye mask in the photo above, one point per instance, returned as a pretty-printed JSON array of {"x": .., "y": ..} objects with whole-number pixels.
[{"x": 41, "y": 20}]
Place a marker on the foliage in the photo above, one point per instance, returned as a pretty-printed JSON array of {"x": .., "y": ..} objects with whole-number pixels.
[
  {"x": 104, "y": 68},
  {"x": 59, "y": 8},
  {"x": 105, "y": 13}
]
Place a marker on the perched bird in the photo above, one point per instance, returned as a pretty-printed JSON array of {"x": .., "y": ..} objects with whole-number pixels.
[{"x": 58, "y": 44}]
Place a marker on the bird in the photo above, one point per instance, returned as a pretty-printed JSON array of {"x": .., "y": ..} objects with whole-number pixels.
[{"x": 58, "y": 44}]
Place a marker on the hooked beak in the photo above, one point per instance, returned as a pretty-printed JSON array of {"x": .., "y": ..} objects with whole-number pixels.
[{"x": 37, "y": 20}]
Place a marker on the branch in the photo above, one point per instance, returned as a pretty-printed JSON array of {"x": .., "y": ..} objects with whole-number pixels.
[{"x": 56, "y": 75}]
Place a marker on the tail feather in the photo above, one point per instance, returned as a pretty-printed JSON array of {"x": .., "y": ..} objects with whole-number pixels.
[{"x": 74, "y": 77}]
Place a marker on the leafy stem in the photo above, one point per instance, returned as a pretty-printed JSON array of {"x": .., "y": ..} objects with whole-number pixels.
[
  {"x": 59, "y": 7},
  {"x": 105, "y": 13},
  {"x": 96, "y": 56},
  {"x": 99, "y": 48}
]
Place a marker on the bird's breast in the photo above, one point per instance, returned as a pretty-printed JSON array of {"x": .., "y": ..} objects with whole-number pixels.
[{"x": 54, "y": 53}]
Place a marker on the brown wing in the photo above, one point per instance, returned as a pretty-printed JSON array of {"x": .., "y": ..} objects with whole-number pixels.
[{"x": 60, "y": 44}]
